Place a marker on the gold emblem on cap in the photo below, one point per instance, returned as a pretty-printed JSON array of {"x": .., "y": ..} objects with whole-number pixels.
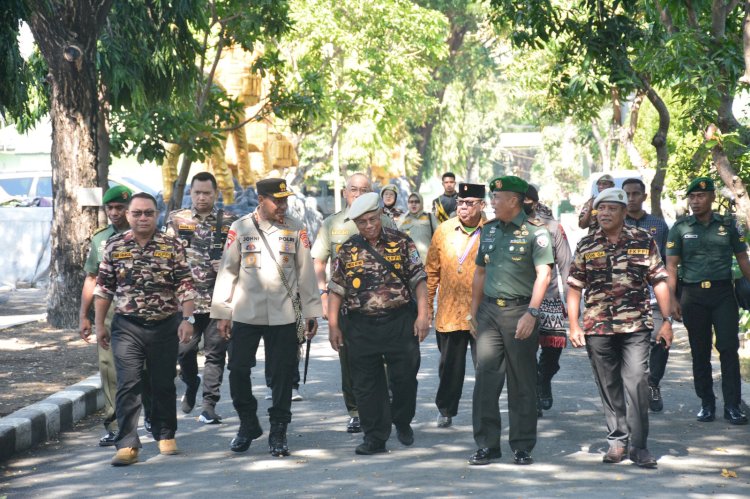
[
  {"x": 466, "y": 187},
  {"x": 702, "y": 184},
  {"x": 282, "y": 186},
  {"x": 498, "y": 184},
  {"x": 124, "y": 195}
]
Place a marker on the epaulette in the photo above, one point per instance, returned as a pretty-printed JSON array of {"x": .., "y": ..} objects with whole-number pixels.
[
  {"x": 535, "y": 221},
  {"x": 682, "y": 220},
  {"x": 100, "y": 229}
]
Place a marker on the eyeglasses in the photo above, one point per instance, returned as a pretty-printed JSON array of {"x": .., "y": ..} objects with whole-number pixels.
[
  {"x": 467, "y": 203},
  {"x": 142, "y": 213},
  {"x": 413, "y": 201}
]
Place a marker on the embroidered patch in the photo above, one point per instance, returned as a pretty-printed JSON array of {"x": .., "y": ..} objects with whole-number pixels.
[
  {"x": 542, "y": 241},
  {"x": 163, "y": 254},
  {"x": 121, "y": 255},
  {"x": 593, "y": 254},
  {"x": 637, "y": 251},
  {"x": 355, "y": 263},
  {"x": 303, "y": 237},
  {"x": 231, "y": 236},
  {"x": 670, "y": 244},
  {"x": 356, "y": 283},
  {"x": 186, "y": 227}
]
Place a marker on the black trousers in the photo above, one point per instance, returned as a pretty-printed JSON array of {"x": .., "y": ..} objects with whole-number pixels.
[
  {"x": 368, "y": 343},
  {"x": 549, "y": 362},
  {"x": 134, "y": 346},
  {"x": 452, "y": 368},
  {"x": 620, "y": 365},
  {"x": 499, "y": 354},
  {"x": 281, "y": 357},
  {"x": 657, "y": 363},
  {"x": 703, "y": 309},
  {"x": 295, "y": 374},
  {"x": 215, "y": 351}
]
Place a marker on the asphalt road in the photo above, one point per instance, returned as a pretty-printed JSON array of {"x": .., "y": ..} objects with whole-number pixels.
[{"x": 695, "y": 459}]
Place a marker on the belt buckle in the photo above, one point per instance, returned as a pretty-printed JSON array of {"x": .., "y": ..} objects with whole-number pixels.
[
  {"x": 500, "y": 302},
  {"x": 706, "y": 284}
]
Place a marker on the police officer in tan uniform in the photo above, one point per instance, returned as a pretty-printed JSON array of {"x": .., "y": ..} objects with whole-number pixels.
[{"x": 270, "y": 295}]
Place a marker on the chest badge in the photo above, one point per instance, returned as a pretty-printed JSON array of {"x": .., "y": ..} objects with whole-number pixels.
[
  {"x": 486, "y": 259},
  {"x": 356, "y": 283},
  {"x": 722, "y": 231}
]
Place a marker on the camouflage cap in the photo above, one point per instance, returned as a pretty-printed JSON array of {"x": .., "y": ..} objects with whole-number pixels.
[
  {"x": 275, "y": 187},
  {"x": 701, "y": 184},
  {"x": 509, "y": 183},
  {"x": 611, "y": 195},
  {"x": 606, "y": 178},
  {"x": 117, "y": 194},
  {"x": 364, "y": 204}
]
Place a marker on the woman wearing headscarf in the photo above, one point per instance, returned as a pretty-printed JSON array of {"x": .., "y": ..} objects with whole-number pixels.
[
  {"x": 418, "y": 224},
  {"x": 389, "y": 194}
]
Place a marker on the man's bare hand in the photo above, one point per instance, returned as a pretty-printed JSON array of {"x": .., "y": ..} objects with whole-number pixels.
[
  {"x": 422, "y": 327},
  {"x": 224, "y": 326},
  {"x": 185, "y": 332},
  {"x": 311, "y": 332},
  {"x": 102, "y": 336},
  {"x": 676, "y": 310},
  {"x": 335, "y": 337},
  {"x": 577, "y": 338},
  {"x": 665, "y": 335},
  {"x": 84, "y": 329},
  {"x": 525, "y": 326}
]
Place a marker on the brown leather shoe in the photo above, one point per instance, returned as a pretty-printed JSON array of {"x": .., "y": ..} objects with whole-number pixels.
[
  {"x": 168, "y": 447},
  {"x": 125, "y": 456},
  {"x": 615, "y": 454},
  {"x": 642, "y": 458}
]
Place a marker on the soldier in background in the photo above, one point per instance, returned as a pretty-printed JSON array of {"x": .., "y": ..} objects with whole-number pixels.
[
  {"x": 146, "y": 275},
  {"x": 587, "y": 217},
  {"x": 202, "y": 230},
  {"x": 265, "y": 290},
  {"x": 615, "y": 265},
  {"x": 335, "y": 230},
  {"x": 703, "y": 244},
  {"x": 115, "y": 202},
  {"x": 444, "y": 206}
]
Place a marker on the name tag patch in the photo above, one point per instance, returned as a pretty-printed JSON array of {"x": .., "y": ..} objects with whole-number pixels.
[
  {"x": 163, "y": 254},
  {"x": 355, "y": 263},
  {"x": 121, "y": 255},
  {"x": 690, "y": 236},
  {"x": 594, "y": 254},
  {"x": 637, "y": 251}
]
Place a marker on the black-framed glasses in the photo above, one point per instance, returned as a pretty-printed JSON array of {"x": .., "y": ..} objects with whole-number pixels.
[{"x": 467, "y": 203}]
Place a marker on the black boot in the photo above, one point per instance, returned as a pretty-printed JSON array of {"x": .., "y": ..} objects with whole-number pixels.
[
  {"x": 249, "y": 430},
  {"x": 277, "y": 440},
  {"x": 544, "y": 391}
]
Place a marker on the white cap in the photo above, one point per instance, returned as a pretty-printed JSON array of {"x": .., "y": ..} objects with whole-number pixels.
[
  {"x": 611, "y": 195},
  {"x": 363, "y": 204}
]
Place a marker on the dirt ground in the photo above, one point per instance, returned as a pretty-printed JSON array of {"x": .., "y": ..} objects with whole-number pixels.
[{"x": 37, "y": 360}]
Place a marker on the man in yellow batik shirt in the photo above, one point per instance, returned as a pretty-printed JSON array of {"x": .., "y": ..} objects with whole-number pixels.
[{"x": 450, "y": 269}]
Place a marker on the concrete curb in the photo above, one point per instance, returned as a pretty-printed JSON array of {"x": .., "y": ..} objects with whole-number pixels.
[{"x": 44, "y": 420}]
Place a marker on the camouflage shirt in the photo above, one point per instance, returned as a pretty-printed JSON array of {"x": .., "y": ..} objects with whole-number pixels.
[
  {"x": 147, "y": 282},
  {"x": 616, "y": 279},
  {"x": 196, "y": 233},
  {"x": 366, "y": 286}
]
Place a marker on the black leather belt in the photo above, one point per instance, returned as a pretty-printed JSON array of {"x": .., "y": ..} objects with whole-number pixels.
[
  {"x": 708, "y": 284},
  {"x": 503, "y": 302},
  {"x": 146, "y": 323},
  {"x": 387, "y": 316}
]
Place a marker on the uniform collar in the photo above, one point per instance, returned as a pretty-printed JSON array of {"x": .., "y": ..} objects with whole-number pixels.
[
  {"x": 519, "y": 219},
  {"x": 213, "y": 213},
  {"x": 265, "y": 225},
  {"x": 715, "y": 217},
  {"x": 460, "y": 226}
]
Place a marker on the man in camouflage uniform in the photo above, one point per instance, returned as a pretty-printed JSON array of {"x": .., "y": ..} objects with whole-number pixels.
[
  {"x": 511, "y": 277},
  {"x": 616, "y": 264},
  {"x": 202, "y": 230},
  {"x": 587, "y": 216},
  {"x": 335, "y": 230},
  {"x": 147, "y": 276},
  {"x": 265, "y": 290},
  {"x": 376, "y": 278},
  {"x": 703, "y": 244},
  {"x": 115, "y": 202}
]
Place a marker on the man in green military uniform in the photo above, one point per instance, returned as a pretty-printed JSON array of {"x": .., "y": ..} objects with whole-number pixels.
[
  {"x": 115, "y": 202},
  {"x": 335, "y": 230},
  {"x": 703, "y": 244},
  {"x": 514, "y": 263}
]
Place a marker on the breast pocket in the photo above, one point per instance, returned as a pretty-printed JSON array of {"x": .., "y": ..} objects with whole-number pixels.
[
  {"x": 251, "y": 260},
  {"x": 637, "y": 269}
]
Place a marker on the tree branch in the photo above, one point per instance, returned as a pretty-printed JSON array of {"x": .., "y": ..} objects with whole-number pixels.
[{"x": 665, "y": 17}]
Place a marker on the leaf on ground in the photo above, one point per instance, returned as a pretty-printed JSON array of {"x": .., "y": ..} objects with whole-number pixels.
[{"x": 728, "y": 473}]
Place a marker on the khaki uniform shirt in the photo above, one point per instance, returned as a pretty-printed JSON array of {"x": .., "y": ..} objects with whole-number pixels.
[
  {"x": 146, "y": 282},
  {"x": 98, "y": 244},
  {"x": 705, "y": 251},
  {"x": 420, "y": 228},
  {"x": 197, "y": 234},
  {"x": 334, "y": 231},
  {"x": 249, "y": 289},
  {"x": 616, "y": 278},
  {"x": 366, "y": 285},
  {"x": 510, "y": 253},
  {"x": 454, "y": 298}
]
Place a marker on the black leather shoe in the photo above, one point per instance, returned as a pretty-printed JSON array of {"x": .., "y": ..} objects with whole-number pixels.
[
  {"x": 484, "y": 456},
  {"x": 707, "y": 414},
  {"x": 277, "y": 445},
  {"x": 522, "y": 457},
  {"x": 188, "y": 399},
  {"x": 655, "y": 402},
  {"x": 370, "y": 447},
  {"x": 545, "y": 393},
  {"x": 108, "y": 440},
  {"x": 147, "y": 424},
  {"x": 444, "y": 421},
  {"x": 642, "y": 458},
  {"x": 353, "y": 426},
  {"x": 405, "y": 435},
  {"x": 244, "y": 438},
  {"x": 735, "y": 415}
]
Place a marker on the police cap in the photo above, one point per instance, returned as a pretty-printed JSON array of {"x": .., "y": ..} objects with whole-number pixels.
[{"x": 275, "y": 187}]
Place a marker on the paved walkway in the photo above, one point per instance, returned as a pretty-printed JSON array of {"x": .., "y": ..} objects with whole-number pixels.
[{"x": 693, "y": 457}]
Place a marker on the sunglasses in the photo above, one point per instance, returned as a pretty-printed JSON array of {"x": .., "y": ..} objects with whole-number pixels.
[{"x": 142, "y": 213}]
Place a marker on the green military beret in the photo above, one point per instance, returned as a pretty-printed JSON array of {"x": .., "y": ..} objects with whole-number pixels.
[
  {"x": 701, "y": 184},
  {"x": 117, "y": 194},
  {"x": 509, "y": 183}
]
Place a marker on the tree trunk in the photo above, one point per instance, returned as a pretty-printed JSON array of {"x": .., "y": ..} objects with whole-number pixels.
[
  {"x": 659, "y": 141},
  {"x": 628, "y": 133},
  {"x": 66, "y": 32},
  {"x": 733, "y": 182},
  {"x": 103, "y": 154}
]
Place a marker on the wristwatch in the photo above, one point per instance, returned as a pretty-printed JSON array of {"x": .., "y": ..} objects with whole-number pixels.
[
  {"x": 469, "y": 318},
  {"x": 533, "y": 311},
  {"x": 189, "y": 319},
  {"x": 670, "y": 320},
  {"x": 322, "y": 291}
]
